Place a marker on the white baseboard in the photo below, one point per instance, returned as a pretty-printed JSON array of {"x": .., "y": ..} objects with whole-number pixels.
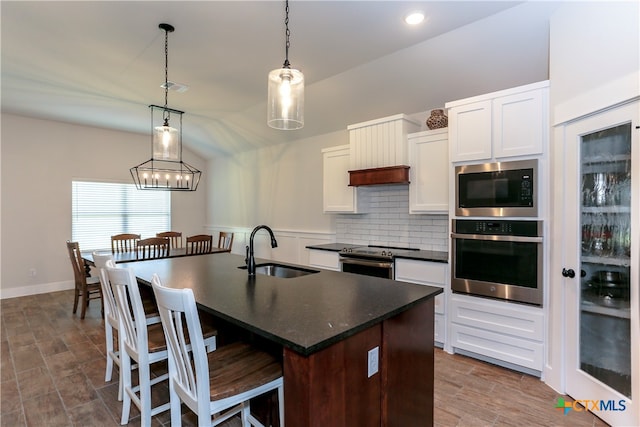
[{"x": 36, "y": 289}]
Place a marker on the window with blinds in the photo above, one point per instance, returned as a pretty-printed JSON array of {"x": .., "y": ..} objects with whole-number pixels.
[{"x": 102, "y": 209}]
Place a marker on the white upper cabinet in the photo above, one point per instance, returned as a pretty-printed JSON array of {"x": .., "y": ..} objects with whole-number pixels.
[
  {"x": 429, "y": 172},
  {"x": 508, "y": 123},
  {"x": 337, "y": 196},
  {"x": 470, "y": 131},
  {"x": 520, "y": 123}
]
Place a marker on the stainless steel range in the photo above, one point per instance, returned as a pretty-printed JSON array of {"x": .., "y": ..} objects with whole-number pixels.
[{"x": 371, "y": 260}]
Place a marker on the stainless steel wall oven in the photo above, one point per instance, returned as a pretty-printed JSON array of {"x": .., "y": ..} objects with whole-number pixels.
[{"x": 498, "y": 258}]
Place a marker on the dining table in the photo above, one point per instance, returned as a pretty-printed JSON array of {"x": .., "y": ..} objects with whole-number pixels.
[{"x": 123, "y": 257}]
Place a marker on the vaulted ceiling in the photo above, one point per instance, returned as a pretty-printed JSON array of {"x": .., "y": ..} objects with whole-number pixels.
[{"x": 102, "y": 63}]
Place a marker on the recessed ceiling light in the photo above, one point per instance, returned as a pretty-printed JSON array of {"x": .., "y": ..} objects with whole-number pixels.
[{"x": 414, "y": 18}]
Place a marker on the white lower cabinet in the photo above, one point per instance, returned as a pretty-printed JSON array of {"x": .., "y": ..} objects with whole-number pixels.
[
  {"x": 432, "y": 274},
  {"x": 329, "y": 260},
  {"x": 504, "y": 332}
]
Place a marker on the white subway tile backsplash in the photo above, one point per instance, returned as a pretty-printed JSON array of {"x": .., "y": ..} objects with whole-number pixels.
[{"x": 388, "y": 223}]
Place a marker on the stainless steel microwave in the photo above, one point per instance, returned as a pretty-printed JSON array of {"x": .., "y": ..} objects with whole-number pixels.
[{"x": 504, "y": 189}]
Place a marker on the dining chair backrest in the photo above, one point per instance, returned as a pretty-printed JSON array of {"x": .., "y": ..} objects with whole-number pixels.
[
  {"x": 125, "y": 242},
  {"x": 129, "y": 307},
  {"x": 153, "y": 247},
  {"x": 77, "y": 262},
  {"x": 177, "y": 306},
  {"x": 87, "y": 288},
  {"x": 225, "y": 240},
  {"x": 175, "y": 238},
  {"x": 102, "y": 261},
  {"x": 199, "y": 244}
]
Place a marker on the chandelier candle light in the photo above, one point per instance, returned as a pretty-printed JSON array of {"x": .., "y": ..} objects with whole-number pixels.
[
  {"x": 166, "y": 170},
  {"x": 285, "y": 106}
]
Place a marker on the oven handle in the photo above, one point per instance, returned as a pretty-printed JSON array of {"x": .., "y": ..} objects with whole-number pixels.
[
  {"x": 383, "y": 264},
  {"x": 497, "y": 238}
]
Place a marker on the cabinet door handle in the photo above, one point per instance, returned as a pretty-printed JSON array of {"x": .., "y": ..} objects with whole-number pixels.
[{"x": 568, "y": 273}]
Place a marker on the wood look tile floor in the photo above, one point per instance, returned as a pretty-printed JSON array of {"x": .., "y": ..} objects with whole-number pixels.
[{"x": 52, "y": 374}]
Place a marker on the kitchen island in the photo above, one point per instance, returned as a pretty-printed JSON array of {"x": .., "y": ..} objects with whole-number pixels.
[{"x": 326, "y": 324}]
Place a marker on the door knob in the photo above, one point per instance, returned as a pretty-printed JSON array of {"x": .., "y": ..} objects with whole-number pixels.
[{"x": 568, "y": 273}]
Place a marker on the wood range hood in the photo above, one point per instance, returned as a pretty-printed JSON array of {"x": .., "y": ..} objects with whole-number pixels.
[
  {"x": 379, "y": 176},
  {"x": 379, "y": 151}
]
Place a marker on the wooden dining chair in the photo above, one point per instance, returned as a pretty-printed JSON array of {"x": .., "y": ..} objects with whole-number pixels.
[
  {"x": 225, "y": 240},
  {"x": 124, "y": 242},
  {"x": 111, "y": 318},
  {"x": 199, "y": 244},
  {"x": 175, "y": 238},
  {"x": 142, "y": 345},
  {"x": 110, "y": 314},
  {"x": 153, "y": 247},
  {"x": 86, "y": 287},
  {"x": 221, "y": 382}
]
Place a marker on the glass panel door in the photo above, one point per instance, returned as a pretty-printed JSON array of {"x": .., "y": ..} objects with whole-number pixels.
[{"x": 605, "y": 333}]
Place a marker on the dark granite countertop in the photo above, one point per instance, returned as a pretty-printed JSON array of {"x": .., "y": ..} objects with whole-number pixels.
[
  {"x": 332, "y": 247},
  {"x": 434, "y": 256},
  {"x": 420, "y": 255},
  {"x": 305, "y": 314}
]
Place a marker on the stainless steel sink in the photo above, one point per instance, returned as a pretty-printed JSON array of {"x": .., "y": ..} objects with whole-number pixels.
[{"x": 281, "y": 270}]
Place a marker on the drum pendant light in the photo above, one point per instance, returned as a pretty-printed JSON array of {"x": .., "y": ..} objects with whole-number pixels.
[
  {"x": 285, "y": 106},
  {"x": 166, "y": 170}
]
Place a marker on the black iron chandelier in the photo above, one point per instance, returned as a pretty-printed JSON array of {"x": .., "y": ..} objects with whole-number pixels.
[{"x": 166, "y": 170}]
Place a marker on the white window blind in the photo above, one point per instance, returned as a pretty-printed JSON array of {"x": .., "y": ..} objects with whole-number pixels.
[{"x": 101, "y": 209}]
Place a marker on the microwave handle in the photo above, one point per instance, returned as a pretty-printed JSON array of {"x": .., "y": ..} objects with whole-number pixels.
[{"x": 497, "y": 238}]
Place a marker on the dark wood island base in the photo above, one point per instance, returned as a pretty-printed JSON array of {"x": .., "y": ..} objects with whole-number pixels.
[
  {"x": 323, "y": 325},
  {"x": 331, "y": 387}
]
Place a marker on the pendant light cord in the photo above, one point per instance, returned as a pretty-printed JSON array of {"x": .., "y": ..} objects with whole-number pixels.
[
  {"x": 166, "y": 68},
  {"x": 287, "y": 33},
  {"x": 166, "y": 114}
]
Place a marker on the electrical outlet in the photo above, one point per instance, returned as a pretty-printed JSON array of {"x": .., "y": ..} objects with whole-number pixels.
[
  {"x": 33, "y": 272},
  {"x": 372, "y": 361}
]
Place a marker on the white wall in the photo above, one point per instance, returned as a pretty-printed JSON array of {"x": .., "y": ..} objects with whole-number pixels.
[
  {"x": 40, "y": 158},
  {"x": 594, "y": 57},
  {"x": 594, "y": 64},
  {"x": 280, "y": 186}
]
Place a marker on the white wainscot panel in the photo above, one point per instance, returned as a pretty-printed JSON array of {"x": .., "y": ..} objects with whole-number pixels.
[{"x": 287, "y": 250}]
